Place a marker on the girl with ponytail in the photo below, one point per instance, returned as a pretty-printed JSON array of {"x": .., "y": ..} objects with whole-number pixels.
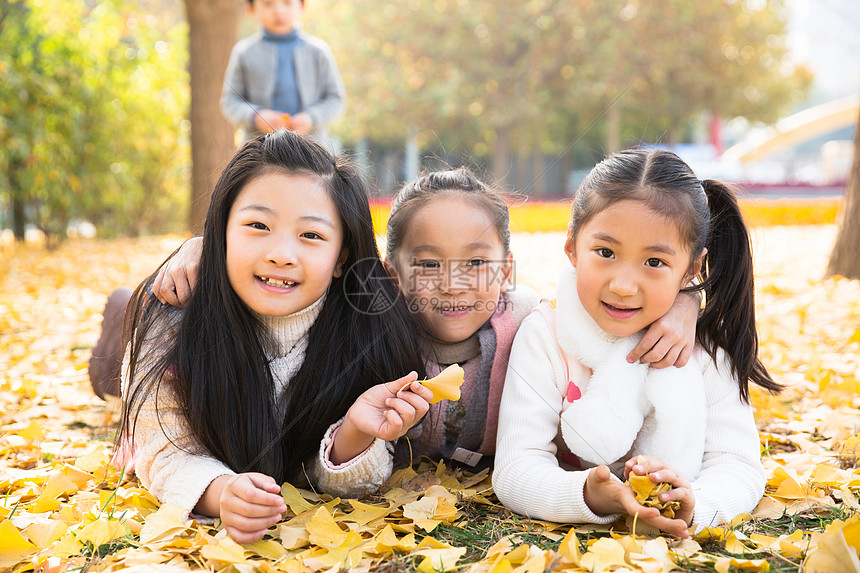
[{"x": 574, "y": 413}]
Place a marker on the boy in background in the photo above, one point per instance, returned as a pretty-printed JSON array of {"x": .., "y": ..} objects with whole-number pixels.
[{"x": 282, "y": 77}]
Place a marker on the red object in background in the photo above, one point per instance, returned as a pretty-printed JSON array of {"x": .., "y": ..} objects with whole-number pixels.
[{"x": 716, "y": 130}]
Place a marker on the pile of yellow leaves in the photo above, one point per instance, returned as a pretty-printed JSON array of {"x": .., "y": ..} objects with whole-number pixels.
[
  {"x": 648, "y": 494},
  {"x": 62, "y": 506}
]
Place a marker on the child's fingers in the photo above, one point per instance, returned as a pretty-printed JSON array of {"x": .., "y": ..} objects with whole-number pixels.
[
  {"x": 156, "y": 285},
  {"x": 670, "y": 476},
  {"x": 682, "y": 494},
  {"x": 396, "y": 386},
  {"x": 248, "y": 515},
  {"x": 648, "y": 341},
  {"x": 246, "y": 490},
  {"x": 684, "y": 357},
  {"x": 416, "y": 396},
  {"x": 392, "y": 427},
  {"x": 675, "y": 527},
  {"x": 264, "y": 482},
  {"x": 404, "y": 411},
  {"x": 240, "y": 536},
  {"x": 602, "y": 474},
  {"x": 640, "y": 465},
  {"x": 418, "y": 389},
  {"x": 662, "y": 355}
]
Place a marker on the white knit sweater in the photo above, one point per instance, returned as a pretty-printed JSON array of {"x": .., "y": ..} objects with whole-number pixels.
[
  {"x": 529, "y": 478},
  {"x": 166, "y": 467}
]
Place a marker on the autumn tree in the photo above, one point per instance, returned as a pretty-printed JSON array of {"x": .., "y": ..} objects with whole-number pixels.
[
  {"x": 489, "y": 77},
  {"x": 92, "y": 102},
  {"x": 540, "y": 74},
  {"x": 212, "y": 28},
  {"x": 684, "y": 59},
  {"x": 845, "y": 258}
]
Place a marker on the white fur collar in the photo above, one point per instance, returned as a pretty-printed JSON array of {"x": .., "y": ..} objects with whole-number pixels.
[{"x": 627, "y": 409}]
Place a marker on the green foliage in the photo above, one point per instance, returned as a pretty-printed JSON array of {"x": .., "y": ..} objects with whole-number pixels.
[
  {"x": 92, "y": 101},
  {"x": 536, "y": 74}
]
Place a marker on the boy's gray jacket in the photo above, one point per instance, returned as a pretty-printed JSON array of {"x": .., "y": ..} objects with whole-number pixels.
[{"x": 249, "y": 82}]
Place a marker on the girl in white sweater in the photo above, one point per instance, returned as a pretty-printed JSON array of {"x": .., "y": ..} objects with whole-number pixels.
[
  {"x": 279, "y": 366},
  {"x": 574, "y": 413}
]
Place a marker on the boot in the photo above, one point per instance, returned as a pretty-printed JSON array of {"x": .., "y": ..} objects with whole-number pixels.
[{"x": 106, "y": 361}]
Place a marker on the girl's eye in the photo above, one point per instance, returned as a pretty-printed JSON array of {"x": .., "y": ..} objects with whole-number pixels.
[
  {"x": 476, "y": 262},
  {"x": 311, "y": 235},
  {"x": 654, "y": 263},
  {"x": 605, "y": 253},
  {"x": 259, "y": 226},
  {"x": 427, "y": 264}
]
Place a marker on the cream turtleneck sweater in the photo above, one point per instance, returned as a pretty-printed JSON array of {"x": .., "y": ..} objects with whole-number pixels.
[{"x": 175, "y": 468}]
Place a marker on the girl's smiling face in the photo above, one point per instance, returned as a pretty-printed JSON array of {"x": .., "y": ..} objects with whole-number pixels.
[
  {"x": 630, "y": 264},
  {"x": 284, "y": 239},
  {"x": 451, "y": 266}
]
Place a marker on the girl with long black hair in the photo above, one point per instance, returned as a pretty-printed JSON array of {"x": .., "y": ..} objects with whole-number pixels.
[{"x": 287, "y": 360}]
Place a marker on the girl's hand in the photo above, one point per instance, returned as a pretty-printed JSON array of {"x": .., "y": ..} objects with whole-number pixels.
[
  {"x": 670, "y": 339},
  {"x": 380, "y": 412},
  {"x": 249, "y": 504},
  {"x": 604, "y": 495},
  {"x": 682, "y": 492},
  {"x": 177, "y": 277}
]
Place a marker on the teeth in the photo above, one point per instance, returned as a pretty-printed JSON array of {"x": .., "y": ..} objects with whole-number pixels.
[{"x": 277, "y": 283}]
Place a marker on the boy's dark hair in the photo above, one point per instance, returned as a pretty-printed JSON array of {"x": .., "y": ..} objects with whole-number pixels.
[
  {"x": 215, "y": 363},
  {"x": 708, "y": 216}
]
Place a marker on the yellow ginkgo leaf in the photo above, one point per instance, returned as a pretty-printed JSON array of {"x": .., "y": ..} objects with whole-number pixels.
[
  {"x": 446, "y": 386},
  {"x": 13, "y": 546},
  {"x": 648, "y": 494}
]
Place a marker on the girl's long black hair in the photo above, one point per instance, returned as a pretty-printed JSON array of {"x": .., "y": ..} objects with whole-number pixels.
[
  {"x": 708, "y": 216},
  {"x": 214, "y": 360}
]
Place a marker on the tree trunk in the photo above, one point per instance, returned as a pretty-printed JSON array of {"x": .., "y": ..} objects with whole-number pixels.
[
  {"x": 16, "y": 193},
  {"x": 845, "y": 258},
  {"x": 212, "y": 28}
]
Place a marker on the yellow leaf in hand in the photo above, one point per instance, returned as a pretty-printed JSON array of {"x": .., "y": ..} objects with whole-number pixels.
[
  {"x": 446, "y": 386},
  {"x": 648, "y": 494}
]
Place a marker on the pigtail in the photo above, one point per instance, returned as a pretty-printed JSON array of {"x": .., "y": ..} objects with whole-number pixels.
[{"x": 728, "y": 320}]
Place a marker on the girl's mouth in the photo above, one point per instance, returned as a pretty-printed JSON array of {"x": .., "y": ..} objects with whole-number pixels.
[
  {"x": 619, "y": 312},
  {"x": 278, "y": 283},
  {"x": 452, "y": 310}
]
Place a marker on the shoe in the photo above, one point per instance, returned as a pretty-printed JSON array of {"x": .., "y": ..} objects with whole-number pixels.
[{"x": 106, "y": 361}]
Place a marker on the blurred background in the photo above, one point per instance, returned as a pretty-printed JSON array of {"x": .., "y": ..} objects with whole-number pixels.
[{"x": 95, "y": 97}]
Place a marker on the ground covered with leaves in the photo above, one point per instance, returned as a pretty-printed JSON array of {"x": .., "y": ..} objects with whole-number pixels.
[{"x": 63, "y": 507}]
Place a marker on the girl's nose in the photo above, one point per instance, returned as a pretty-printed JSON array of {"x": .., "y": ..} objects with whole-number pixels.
[
  {"x": 453, "y": 277},
  {"x": 281, "y": 254},
  {"x": 623, "y": 284}
]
